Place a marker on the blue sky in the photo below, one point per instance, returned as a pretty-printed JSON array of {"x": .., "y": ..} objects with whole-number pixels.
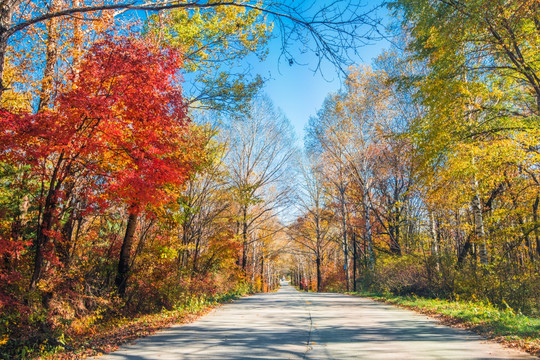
[{"x": 298, "y": 90}]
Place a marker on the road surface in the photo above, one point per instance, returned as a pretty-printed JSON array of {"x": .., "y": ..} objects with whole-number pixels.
[{"x": 293, "y": 325}]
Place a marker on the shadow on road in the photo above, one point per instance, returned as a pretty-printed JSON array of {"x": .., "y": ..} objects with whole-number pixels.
[{"x": 279, "y": 326}]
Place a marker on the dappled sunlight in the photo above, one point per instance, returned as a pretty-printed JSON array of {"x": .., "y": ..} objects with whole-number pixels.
[{"x": 289, "y": 324}]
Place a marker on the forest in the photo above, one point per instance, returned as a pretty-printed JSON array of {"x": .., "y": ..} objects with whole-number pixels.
[{"x": 143, "y": 170}]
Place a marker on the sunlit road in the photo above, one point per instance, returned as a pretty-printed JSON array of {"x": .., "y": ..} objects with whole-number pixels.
[{"x": 293, "y": 325}]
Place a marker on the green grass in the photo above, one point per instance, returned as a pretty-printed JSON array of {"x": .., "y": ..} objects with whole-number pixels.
[{"x": 482, "y": 317}]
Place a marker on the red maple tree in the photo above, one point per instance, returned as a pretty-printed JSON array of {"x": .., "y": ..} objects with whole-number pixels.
[{"x": 122, "y": 127}]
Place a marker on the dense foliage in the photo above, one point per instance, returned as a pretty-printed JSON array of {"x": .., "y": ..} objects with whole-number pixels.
[
  {"x": 114, "y": 203},
  {"x": 430, "y": 161},
  {"x": 143, "y": 174}
]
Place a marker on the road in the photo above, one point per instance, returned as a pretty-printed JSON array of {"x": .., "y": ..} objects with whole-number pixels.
[{"x": 293, "y": 325}]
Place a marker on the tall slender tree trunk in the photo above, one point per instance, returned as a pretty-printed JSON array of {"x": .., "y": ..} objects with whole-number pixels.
[
  {"x": 254, "y": 262},
  {"x": 299, "y": 277},
  {"x": 309, "y": 283},
  {"x": 345, "y": 243},
  {"x": 479, "y": 224},
  {"x": 318, "y": 247},
  {"x": 434, "y": 241},
  {"x": 3, "y": 50},
  {"x": 355, "y": 259},
  {"x": 77, "y": 49},
  {"x": 182, "y": 252},
  {"x": 196, "y": 254},
  {"x": 244, "y": 238},
  {"x": 6, "y": 13},
  {"x": 270, "y": 285},
  {"x": 395, "y": 246},
  {"x": 47, "y": 82},
  {"x": 125, "y": 253},
  {"x": 536, "y": 230},
  {"x": 319, "y": 276},
  {"x": 369, "y": 240},
  {"x": 262, "y": 271},
  {"x": 42, "y": 237}
]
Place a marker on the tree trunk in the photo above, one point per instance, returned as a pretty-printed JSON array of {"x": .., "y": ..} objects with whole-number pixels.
[
  {"x": 51, "y": 59},
  {"x": 42, "y": 241},
  {"x": 395, "y": 246},
  {"x": 64, "y": 244},
  {"x": 434, "y": 241},
  {"x": 355, "y": 259},
  {"x": 3, "y": 50},
  {"x": 345, "y": 244},
  {"x": 464, "y": 250},
  {"x": 6, "y": 13},
  {"x": 319, "y": 276},
  {"x": 44, "y": 228},
  {"x": 254, "y": 256},
  {"x": 262, "y": 272},
  {"x": 479, "y": 228},
  {"x": 536, "y": 231},
  {"x": 478, "y": 218},
  {"x": 182, "y": 252},
  {"x": 244, "y": 238},
  {"x": 369, "y": 241},
  {"x": 299, "y": 277},
  {"x": 196, "y": 255},
  {"x": 125, "y": 254}
]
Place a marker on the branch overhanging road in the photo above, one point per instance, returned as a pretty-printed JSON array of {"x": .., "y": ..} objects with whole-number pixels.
[{"x": 292, "y": 325}]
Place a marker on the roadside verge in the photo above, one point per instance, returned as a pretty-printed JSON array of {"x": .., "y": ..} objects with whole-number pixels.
[{"x": 512, "y": 329}]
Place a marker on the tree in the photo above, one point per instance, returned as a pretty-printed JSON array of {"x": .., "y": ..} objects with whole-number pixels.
[
  {"x": 202, "y": 203},
  {"x": 121, "y": 125},
  {"x": 478, "y": 39},
  {"x": 331, "y": 31},
  {"x": 481, "y": 86},
  {"x": 345, "y": 129},
  {"x": 335, "y": 169},
  {"x": 261, "y": 150},
  {"x": 214, "y": 43},
  {"x": 312, "y": 231}
]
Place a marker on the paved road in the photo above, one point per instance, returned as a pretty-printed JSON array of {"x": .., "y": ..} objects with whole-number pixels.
[{"x": 293, "y": 325}]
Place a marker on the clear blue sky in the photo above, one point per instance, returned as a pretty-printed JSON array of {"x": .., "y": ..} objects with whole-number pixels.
[{"x": 299, "y": 91}]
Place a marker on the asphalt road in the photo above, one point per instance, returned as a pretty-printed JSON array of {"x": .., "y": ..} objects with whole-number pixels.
[{"x": 293, "y": 325}]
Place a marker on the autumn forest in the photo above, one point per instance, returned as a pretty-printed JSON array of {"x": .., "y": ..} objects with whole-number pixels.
[{"x": 145, "y": 172}]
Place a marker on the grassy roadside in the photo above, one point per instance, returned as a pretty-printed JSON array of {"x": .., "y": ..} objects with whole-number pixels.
[
  {"x": 512, "y": 329},
  {"x": 107, "y": 335}
]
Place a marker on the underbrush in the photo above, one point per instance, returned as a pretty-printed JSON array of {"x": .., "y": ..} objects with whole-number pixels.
[
  {"x": 504, "y": 284},
  {"x": 50, "y": 335}
]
